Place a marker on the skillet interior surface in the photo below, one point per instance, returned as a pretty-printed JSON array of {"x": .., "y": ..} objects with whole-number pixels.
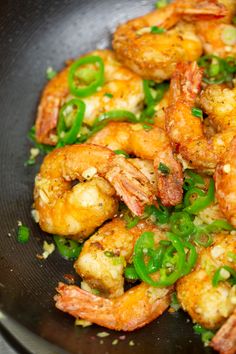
[{"x": 33, "y": 36}]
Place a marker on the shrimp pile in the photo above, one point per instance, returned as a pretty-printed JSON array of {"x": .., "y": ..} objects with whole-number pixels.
[
  {"x": 124, "y": 86},
  {"x": 141, "y": 171}
]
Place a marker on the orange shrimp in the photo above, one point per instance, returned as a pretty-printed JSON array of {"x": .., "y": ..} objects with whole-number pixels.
[
  {"x": 154, "y": 56},
  {"x": 105, "y": 254},
  {"x": 124, "y": 86},
  {"x": 225, "y": 179},
  {"x": 187, "y": 131},
  {"x": 132, "y": 310},
  {"x": 152, "y": 144},
  {"x": 77, "y": 210}
]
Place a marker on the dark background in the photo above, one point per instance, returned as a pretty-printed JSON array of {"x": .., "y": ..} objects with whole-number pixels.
[{"x": 33, "y": 36}]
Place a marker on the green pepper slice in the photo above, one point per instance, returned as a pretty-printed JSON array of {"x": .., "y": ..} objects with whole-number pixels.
[
  {"x": 145, "y": 242},
  {"x": 69, "y": 249},
  {"x": 91, "y": 78},
  {"x": 75, "y": 119},
  {"x": 218, "y": 277},
  {"x": 181, "y": 224},
  {"x": 203, "y": 201}
]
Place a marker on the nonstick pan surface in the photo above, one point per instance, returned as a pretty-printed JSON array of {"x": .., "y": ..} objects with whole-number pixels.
[{"x": 33, "y": 36}]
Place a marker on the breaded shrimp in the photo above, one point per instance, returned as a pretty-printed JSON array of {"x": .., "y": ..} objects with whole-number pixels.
[
  {"x": 154, "y": 56},
  {"x": 104, "y": 255},
  {"x": 225, "y": 339},
  {"x": 218, "y": 36},
  {"x": 152, "y": 145},
  {"x": 77, "y": 211},
  {"x": 132, "y": 310},
  {"x": 187, "y": 131},
  {"x": 125, "y": 89},
  {"x": 219, "y": 103},
  {"x": 208, "y": 305},
  {"x": 225, "y": 180}
]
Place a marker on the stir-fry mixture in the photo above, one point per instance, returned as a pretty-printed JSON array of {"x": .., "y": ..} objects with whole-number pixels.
[{"x": 139, "y": 181}]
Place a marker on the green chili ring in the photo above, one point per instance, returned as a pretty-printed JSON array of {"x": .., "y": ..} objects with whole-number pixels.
[
  {"x": 192, "y": 257},
  {"x": 181, "y": 224},
  {"x": 69, "y": 249},
  {"x": 70, "y": 136},
  {"x": 93, "y": 86},
  {"x": 198, "y": 235},
  {"x": 141, "y": 268},
  {"x": 204, "y": 200},
  {"x": 116, "y": 115}
]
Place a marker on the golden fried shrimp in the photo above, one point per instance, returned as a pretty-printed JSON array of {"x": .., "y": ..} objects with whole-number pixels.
[
  {"x": 124, "y": 86},
  {"x": 104, "y": 255},
  {"x": 219, "y": 103},
  {"x": 218, "y": 37},
  {"x": 208, "y": 305},
  {"x": 187, "y": 131},
  {"x": 225, "y": 339},
  {"x": 150, "y": 144},
  {"x": 225, "y": 179},
  {"x": 65, "y": 210},
  {"x": 132, "y": 310},
  {"x": 154, "y": 56}
]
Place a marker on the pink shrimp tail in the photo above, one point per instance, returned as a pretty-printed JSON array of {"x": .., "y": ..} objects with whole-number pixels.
[
  {"x": 225, "y": 339},
  {"x": 203, "y": 10},
  {"x": 186, "y": 82},
  {"x": 131, "y": 185}
]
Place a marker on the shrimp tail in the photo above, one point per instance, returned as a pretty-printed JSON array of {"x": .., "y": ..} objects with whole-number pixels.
[
  {"x": 204, "y": 10},
  {"x": 130, "y": 184},
  {"x": 80, "y": 303},
  {"x": 125, "y": 313},
  {"x": 225, "y": 339},
  {"x": 186, "y": 82},
  {"x": 169, "y": 185}
]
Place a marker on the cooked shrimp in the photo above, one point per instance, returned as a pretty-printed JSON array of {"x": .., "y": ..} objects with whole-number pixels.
[
  {"x": 132, "y": 310},
  {"x": 77, "y": 211},
  {"x": 103, "y": 258},
  {"x": 185, "y": 130},
  {"x": 154, "y": 56},
  {"x": 209, "y": 306},
  {"x": 124, "y": 86},
  {"x": 218, "y": 36},
  {"x": 152, "y": 145},
  {"x": 225, "y": 180},
  {"x": 147, "y": 168},
  {"x": 225, "y": 339},
  {"x": 219, "y": 102}
]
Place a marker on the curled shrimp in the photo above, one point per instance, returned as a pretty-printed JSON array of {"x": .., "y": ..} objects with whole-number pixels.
[
  {"x": 125, "y": 89},
  {"x": 105, "y": 254},
  {"x": 187, "y": 131},
  {"x": 214, "y": 34},
  {"x": 132, "y": 310},
  {"x": 225, "y": 179},
  {"x": 208, "y": 305},
  {"x": 154, "y": 56},
  {"x": 225, "y": 339},
  {"x": 64, "y": 209},
  {"x": 152, "y": 144}
]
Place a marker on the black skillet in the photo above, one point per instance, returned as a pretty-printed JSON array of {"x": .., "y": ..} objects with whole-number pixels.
[{"x": 35, "y": 34}]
